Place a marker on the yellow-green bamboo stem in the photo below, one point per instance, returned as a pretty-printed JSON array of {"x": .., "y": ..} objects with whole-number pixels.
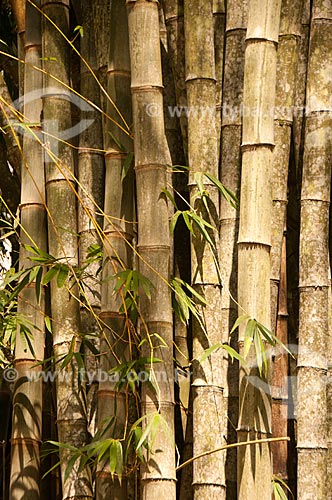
[
  {"x": 254, "y": 242},
  {"x": 151, "y": 160},
  {"x": 63, "y": 243},
  {"x": 219, "y": 21},
  {"x": 208, "y": 472},
  {"x": 91, "y": 195},
  {"x": 118, "y": 230},
  {"x": 231, "y": 133},
  {"x": 27, "y": 399}
]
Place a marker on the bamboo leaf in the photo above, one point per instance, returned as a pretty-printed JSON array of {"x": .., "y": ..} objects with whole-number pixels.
[
  {"x": 70, "y": 465},
  {"x": 38, "y": 284},
  {"x": 80, "y": 30},
  {"x": 239, "y": 320},
  {"x": 50, "y": 275},
  {"x": 174, "y": 220},
  {"x": 170, "y": 197},
  {"x": 62, "y": 275},
  {"x": 48, "y": 323},
  {"x": 226, "y": 193},
  {"x": 126, "y": 165}
]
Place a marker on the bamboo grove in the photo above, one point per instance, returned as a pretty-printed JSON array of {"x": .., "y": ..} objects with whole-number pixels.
[{"x": 165, "y": 176}]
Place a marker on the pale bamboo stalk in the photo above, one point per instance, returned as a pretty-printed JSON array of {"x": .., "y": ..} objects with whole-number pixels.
[
  {"x": 91, "y": 193},
  {"x": 236, "y": 25},
  {"x": 63, "y": 243},
  {"x": 279, "y": 382},
  {"x": 27, "y": 399},
  {"x": 254, "y": 243},
  {"x": 287, "y": 56},
  {"x": 151, "y": 160},
  {"x": 314, "y": 263},
  {"x": 208, "y": 472},
  {"x": 118, "y": 232}
]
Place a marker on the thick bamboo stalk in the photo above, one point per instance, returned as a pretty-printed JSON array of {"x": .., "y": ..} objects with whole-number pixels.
[
  {"x": 289, "y": 38},
  {"x": 151, "y": 160},
  {"x": 254, "y": 243},
  {"x": 19, "y": 10},
  {"x": 288, "y": 48},
  {"x": 219, "y": 22},
  {"x": 91, "y": 193},
  {"x": 118, "y": 230},
  {"x": 236, "y": 25},
  {"x": 176, "y": 46},
  {"x": 300, "y": 91},
  {"x": 27, "y": 399},
  {"x": 208, "y": 472},
  {"x": 314, "y": 262},
  {"x": 63, "y": 244},
  {"x": 177, "y": 184}
]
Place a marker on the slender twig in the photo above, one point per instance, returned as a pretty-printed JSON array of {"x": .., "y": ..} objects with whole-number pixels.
[{"x": 234, "y": 445}]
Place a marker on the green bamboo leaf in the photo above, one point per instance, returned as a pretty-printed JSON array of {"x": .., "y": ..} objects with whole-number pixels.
[
  {"x": 145, "y": 434},
  {"x": 227, "y": 194},
  {"x": 79, "y": 361},
  {"x": 38, "y": 284},
  {"x": 233, "y": 353},
  {"x": 67, "y": 359},
  {"x": 246, "y": 347},
  {"x": 62, "y": 275},
  {"x": 238, "y": 322},
  {"x": 185, "y": 215},
  {"x": 170, "y": 197},
  {"x": 174, "y": 220},
  {"x": 259, "y": 352},
  {"x": 50, "y": 275},
  {"x": 278, "y": 492},
  {"x": 70, "y": 465},
  {"x": 80, "y": 30},
  {"x": 51, "y": 469},
  {"x": 33, "y": 273},
  {"x": 48, "y": 323},
  {"x": 126, "y": 165},
  {"x": 103, "y": 448},
  {"x": 193, "y": 291},
  {"x": 113, "y": 457}
]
